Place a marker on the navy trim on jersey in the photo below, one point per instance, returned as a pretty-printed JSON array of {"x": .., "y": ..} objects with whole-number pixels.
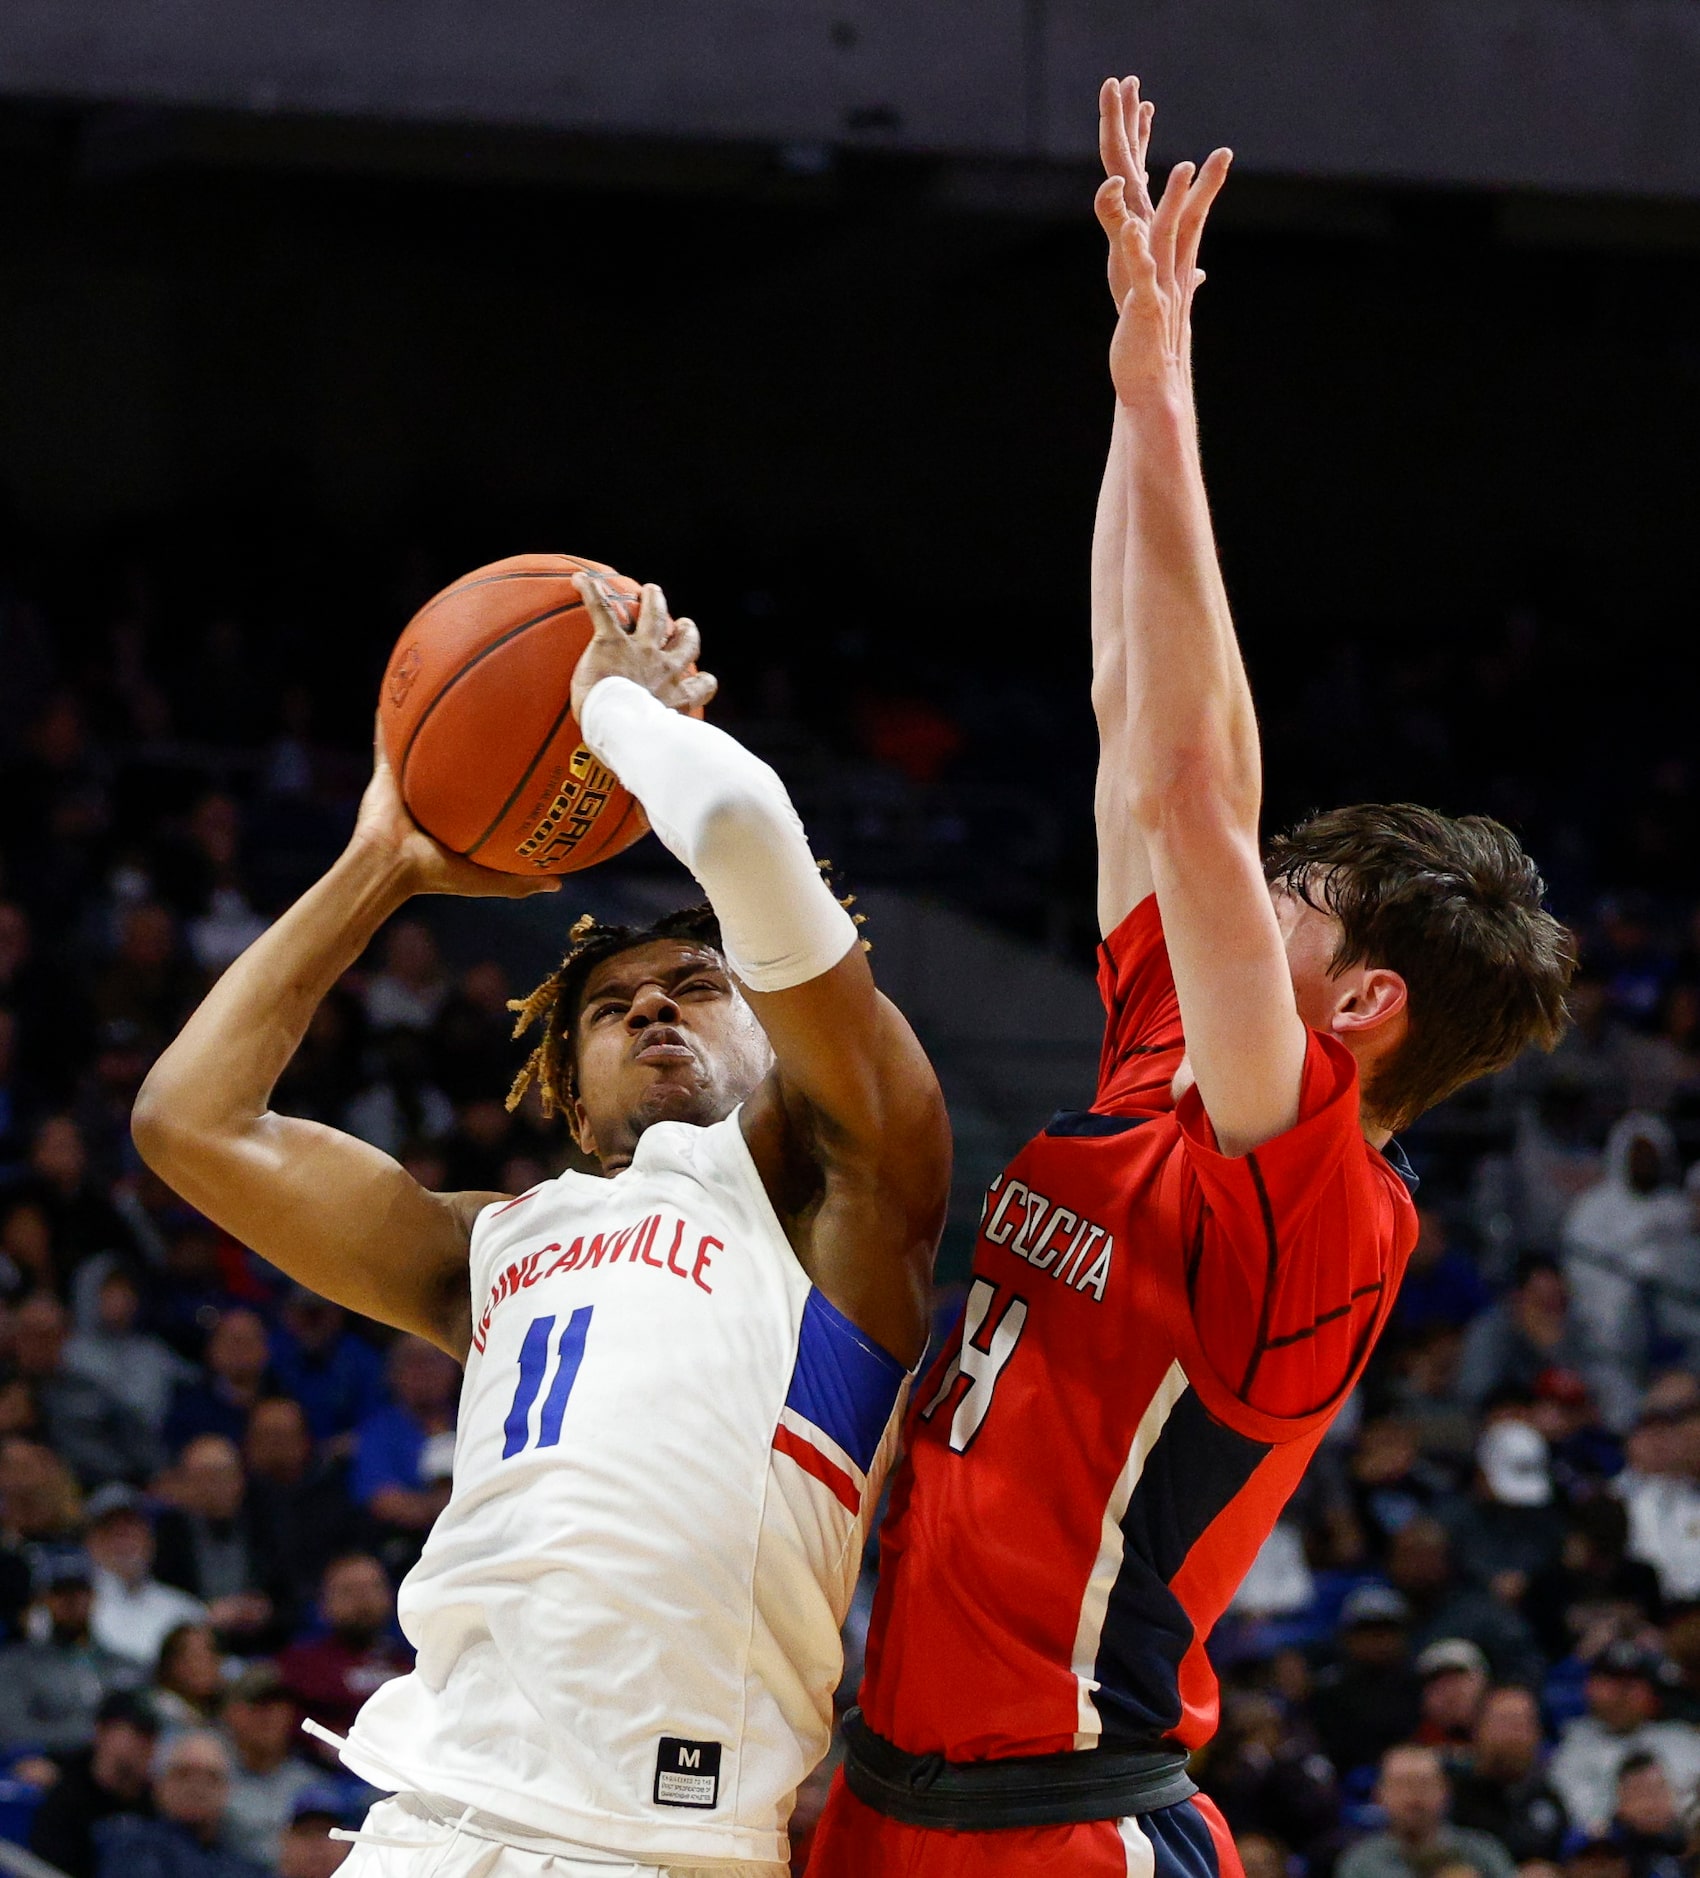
[
  {"x": 843, "y": 1382},
  {"x": 1196, "y": 1467},
  {"x": 1182, "y": 1844},
  {"x": 1072, "y": 1122},
  {"x": 1396, "y": 1158}
]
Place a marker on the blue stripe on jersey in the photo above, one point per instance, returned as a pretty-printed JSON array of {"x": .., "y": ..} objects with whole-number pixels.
[
  {"x": 566, "y": 1374},
  {"x": 843, "y": 1382},
  {"x": 1195, "y": 1467}
]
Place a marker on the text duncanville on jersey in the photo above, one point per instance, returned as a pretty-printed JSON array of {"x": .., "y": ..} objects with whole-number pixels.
[{"x": 636, "y": 1244}]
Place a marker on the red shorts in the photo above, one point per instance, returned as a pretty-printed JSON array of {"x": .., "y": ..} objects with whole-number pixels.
[{"x": 1186, "y": 1841}]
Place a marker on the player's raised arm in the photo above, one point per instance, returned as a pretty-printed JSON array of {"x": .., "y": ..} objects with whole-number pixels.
[
  {"x": 850, "y": 1131},
  {"x": 336, "y": 1214},
  {"x": 1189, "y": 778}
]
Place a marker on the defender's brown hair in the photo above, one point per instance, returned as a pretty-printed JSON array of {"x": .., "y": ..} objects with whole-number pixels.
[{"x": 1453, "y": 905}]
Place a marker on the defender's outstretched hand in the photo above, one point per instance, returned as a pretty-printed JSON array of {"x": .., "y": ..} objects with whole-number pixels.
[
  {"x": 1124, "y": 136},
  {"x": 658, "y": 652},
  {"x": 385, "y": 828},
  {"x": 1152, "y": 348}
]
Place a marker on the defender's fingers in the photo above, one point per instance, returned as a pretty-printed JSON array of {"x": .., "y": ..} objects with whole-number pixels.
[
  {"x": 1110, "y": 205},
  {"x": 1196, "y": 209},
  {"x": 1165, "y": 222},
  {"x": 1115, "y": 150}
]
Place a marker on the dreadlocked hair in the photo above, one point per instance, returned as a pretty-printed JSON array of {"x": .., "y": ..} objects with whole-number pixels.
[{"x": 555, "y": 1002}]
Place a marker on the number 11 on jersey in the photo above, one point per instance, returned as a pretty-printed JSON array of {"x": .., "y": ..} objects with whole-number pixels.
[{"x": 533, "y": 1366}]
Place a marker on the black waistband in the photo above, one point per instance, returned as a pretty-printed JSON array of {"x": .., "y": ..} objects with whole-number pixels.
[{"x": 1029, "y": 1790}]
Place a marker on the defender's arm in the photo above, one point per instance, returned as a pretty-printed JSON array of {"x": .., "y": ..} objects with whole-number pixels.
[
  {"x": 338, "y": 1215},
  {"x": 850, "y": 1132},
  {"x": 1191, "y": 765}
]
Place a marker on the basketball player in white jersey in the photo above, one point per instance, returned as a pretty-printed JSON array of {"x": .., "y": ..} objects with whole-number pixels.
[{"x": 683, "y": 1378}]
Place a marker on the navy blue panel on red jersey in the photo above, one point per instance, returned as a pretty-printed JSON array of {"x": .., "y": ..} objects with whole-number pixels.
[{"x": 1196, "y": 1467}]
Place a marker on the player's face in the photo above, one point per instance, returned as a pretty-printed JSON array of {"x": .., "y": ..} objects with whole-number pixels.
[
  {"x": 1312, "y": 938},
  {"x": 662, "y": 1036}
]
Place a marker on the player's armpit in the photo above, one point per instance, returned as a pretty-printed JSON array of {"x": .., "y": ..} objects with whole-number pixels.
[
  {"x": 333, "y": 1212},
  {"x": 852, "y": 1139}
]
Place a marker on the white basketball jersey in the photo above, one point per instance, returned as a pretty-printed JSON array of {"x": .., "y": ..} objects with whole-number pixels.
[{"x": 669, "y": 1448}]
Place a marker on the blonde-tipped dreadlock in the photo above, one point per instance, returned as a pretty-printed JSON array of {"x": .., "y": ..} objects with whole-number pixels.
[{"x": 554, "y": 1004}]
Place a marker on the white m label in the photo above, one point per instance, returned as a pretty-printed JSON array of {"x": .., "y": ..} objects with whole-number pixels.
[
  {"x": 981, "y": 1362},
  {"x": 690, "y": 1757}
]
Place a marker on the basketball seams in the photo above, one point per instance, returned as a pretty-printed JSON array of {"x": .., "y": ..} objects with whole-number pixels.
[
  {"x": 514, "y": 632},
  {"x": 530, "y": 770},
  {"x": 469, "y": 581}
]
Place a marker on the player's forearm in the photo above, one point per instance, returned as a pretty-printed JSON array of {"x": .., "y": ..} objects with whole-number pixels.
[
  {"x": 1188, "y": 724},
  {"x": 217, "y": 1077},
  {"x": 725, "y": 814}
]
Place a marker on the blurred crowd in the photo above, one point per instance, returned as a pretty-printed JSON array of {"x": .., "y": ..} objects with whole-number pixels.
[{"x": 1472, "y": 1645}]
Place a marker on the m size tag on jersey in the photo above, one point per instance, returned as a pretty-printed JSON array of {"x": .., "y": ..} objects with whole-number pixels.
[{"x": 687, "y": 1773}]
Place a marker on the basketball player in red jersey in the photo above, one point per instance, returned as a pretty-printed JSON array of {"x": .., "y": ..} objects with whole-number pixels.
[{"x": 1173, "y": 1291}]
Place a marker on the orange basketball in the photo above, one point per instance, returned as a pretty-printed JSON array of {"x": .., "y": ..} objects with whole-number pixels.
[{"x": 477, "y": 720}]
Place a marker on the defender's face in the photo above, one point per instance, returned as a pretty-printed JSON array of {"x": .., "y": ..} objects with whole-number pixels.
[
  {"x": 1311, "y": 937},
  {"x": 663, "y": 1036}
]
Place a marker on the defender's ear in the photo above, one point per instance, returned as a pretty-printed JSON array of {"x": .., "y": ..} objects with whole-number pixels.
[{"x": 1368, "y": 999}]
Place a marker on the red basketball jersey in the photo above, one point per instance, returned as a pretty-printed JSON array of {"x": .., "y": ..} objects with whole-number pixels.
[{"x": 1155, "y": 1339}]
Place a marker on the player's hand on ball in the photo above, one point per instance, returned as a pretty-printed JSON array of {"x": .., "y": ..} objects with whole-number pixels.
[
  {"x": 657, "y": 652},
  {"x": 384, "y": 826},
  {"x": 1152, "y": 347}
]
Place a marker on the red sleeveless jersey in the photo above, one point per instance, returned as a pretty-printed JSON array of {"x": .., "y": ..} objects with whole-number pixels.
[{"x": 1155, "y": 1338}]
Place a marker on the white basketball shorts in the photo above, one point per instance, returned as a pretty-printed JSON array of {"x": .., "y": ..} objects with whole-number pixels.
[{"x": 412, "y": 1836}]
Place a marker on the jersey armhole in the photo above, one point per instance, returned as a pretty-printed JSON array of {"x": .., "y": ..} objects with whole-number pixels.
[{"x": 1216, "y": 1395}]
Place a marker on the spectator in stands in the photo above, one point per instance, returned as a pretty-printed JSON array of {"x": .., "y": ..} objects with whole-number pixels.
[
  {"x": 1511, "y": 1529},
  {"x": 330, "y": 1675},
  {"x": 148, "y": 983},
  {"x": 261, "y": 1728},
  {"x": 133, "y": 1611},
  {"x": 1370, "y": 1698},
  {"x": 1597, "y": 1857},
  {"x": 1441, "y": 1285},
  {"x": 404, "y": 1454},
  {"x": 472, "y": 1047},
  {"x": 96, "y": 1782},
  {"x": 130, "y": 1363},
  {"x": 307, "y": 1850},
  {"x": 1500, "y": 1789},
  {"x": 83, "y": 1421},
  {"x": 80, "y": 1216},
  {"x": 238, "y": 1365},
  {"x": 1418, "y": 1839},
  {"x": 1622, "y": 1693},
  {"x": 39, "y": 1506},
  {"x": 1532, "y": 1329},
  {"x": 191, "y": 1795},
  {"x": 215, "y": 1545},
  {"x": 189, "y": 1292},
  {"x": 1625, "y": 1235},
  {"x": 1594, "y": 1592},
  {"x": 1423, "y": 1397},
  {"x": 1660, "y": 1491},
  {"x": 188, "y": 1680},
  {"x": 336, "y": 1376},
  {"x": 1419, "y": 1564},
  {"x": 301, "y": 1499},
  {"x": 53, "y": 1683},
  {"x": 1454, "y": 1678},
  {"x": 1267, "y": 1773},
  {"x": 1263, "y": 1855},
  {"x": 26, "y": 1251},
  {"x": 1646, "y": 1821},
  {"x": 412, "y": 987}
]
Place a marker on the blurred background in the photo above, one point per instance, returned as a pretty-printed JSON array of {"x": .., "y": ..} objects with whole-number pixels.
[{"x": 799, "y": 309}]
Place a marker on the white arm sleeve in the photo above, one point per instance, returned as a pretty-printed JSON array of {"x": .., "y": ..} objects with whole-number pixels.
[{"x": 726, "y": 815}]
